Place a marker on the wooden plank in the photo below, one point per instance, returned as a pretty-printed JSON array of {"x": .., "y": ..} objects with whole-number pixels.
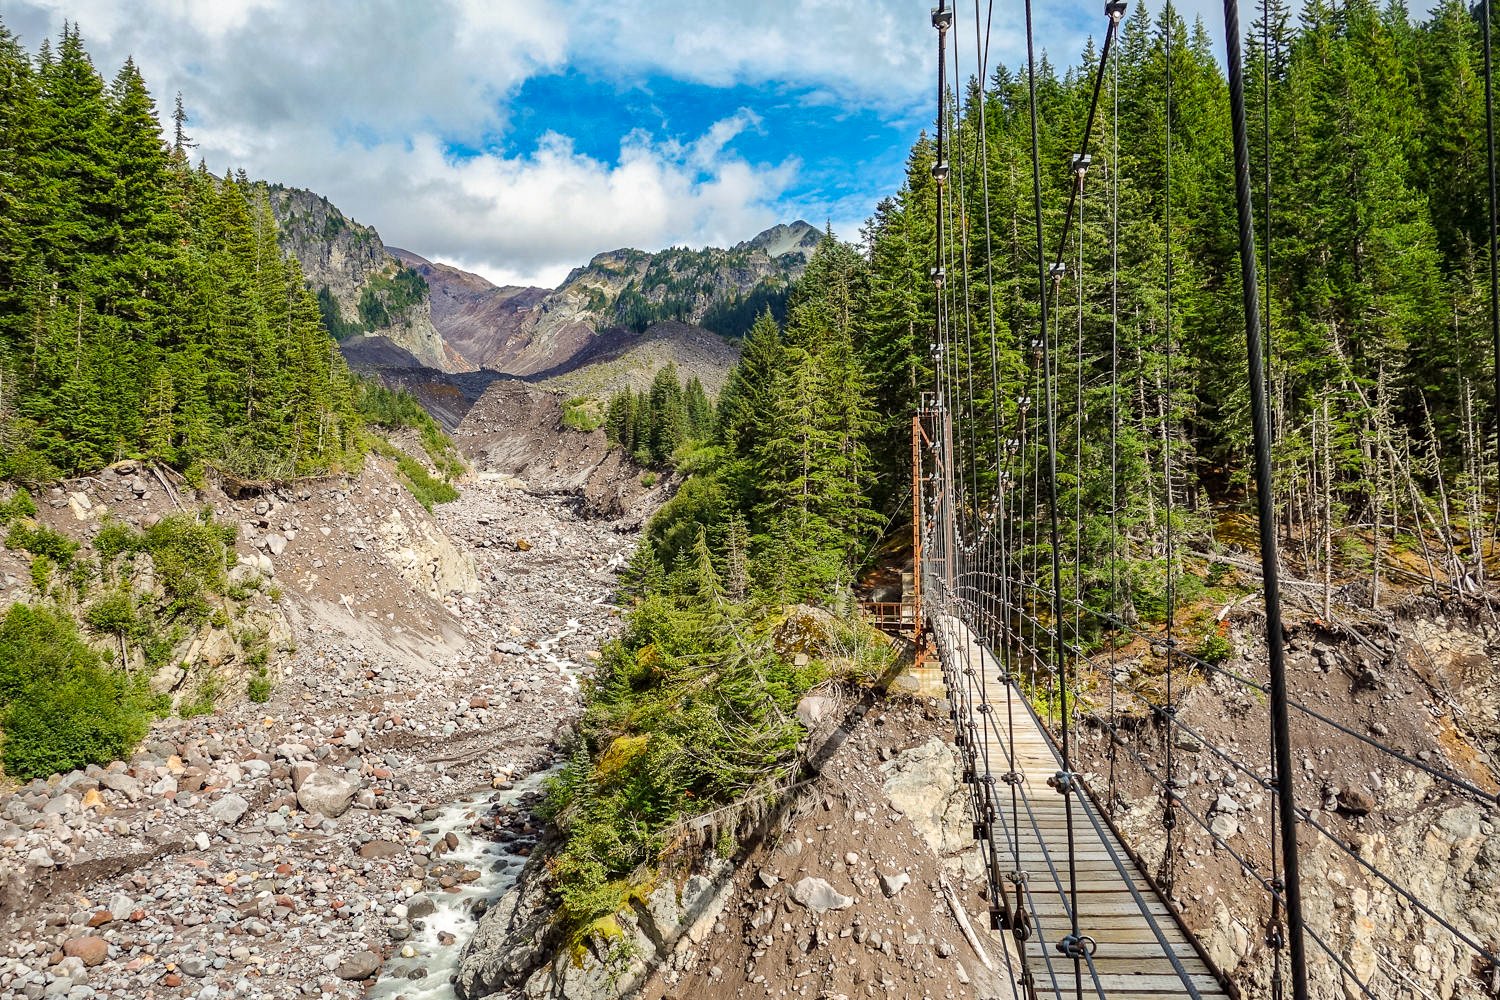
[{"x": 1130, "y": 959}]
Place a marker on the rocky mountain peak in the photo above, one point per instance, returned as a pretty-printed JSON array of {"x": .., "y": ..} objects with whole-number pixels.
[{"x": 799, "y": 237}]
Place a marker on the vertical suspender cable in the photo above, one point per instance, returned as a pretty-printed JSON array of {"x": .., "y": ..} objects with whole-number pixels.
[
  {"x": 1265, "y": 100},
  {"x": 1275, "y": 935},
  {"x": 1169, "y": 813},
  {"x": 1489, "y": 136},
  {"x": 1059, "y": 649},
  {"x": 1114, "y": 411},
  {"x": 1250, "y": 286}
]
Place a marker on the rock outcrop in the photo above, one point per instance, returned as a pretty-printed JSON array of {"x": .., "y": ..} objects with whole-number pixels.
[
  {"x": 519, "y": 950},
  {"x": 364, "y": 291}
]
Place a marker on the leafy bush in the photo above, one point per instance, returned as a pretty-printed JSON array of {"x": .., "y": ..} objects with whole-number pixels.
[
  {"x": 113, "y": 614},
  {"x": 428, "y": 490},
  {"x": 115, "y": 539},
  {"x": 1215, "y": 648},
  {"x": 582, "y": 415},
  {"x": 203, "y": 702},
  {"x": 259, "y": 687},
  {"x": 18, "y": 506},
  {"x": 192, "y": 555},
  {"x": 42, "y": 541},
  {"x": 690, "y": 709},
  {"x": 60, "y": 707}
]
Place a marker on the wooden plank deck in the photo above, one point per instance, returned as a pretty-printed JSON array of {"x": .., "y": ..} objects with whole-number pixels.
[{"x": 1141, "y": 951}]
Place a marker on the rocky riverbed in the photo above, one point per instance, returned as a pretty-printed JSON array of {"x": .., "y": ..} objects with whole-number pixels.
[{"x": 297, "y": 847}]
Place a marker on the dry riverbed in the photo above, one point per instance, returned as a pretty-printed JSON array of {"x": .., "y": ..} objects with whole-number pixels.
[{"x": 305, "y": 846}]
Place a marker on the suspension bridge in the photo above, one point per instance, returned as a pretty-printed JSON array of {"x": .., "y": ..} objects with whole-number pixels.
[{"x": 1087, "y": 914}]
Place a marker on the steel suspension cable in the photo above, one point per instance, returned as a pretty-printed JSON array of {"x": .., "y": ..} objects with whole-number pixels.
[
  {"x": 1114, "y": 405},
  {"x": 1250, "y": 287},
  {"x": 1489, "y": 143},
  {"x": 1169, "y": 819},
  {"x": 1275, "y": 931},
  {"x": 1060, "y": 664}
]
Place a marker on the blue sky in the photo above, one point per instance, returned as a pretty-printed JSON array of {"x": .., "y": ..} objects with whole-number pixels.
[
  {"x": 846, "y": 154},
  {"x": 517, "y": 138}
]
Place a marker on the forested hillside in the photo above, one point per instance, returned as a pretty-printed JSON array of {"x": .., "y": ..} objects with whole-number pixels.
[
  {"x": 1371, "y": 235},
  {"x": 1380, "y": 375},
  {"x": 145, "y": 307}
]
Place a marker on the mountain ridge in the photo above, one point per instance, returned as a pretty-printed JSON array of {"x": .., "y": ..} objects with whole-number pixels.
[{"x": 524, "y": 330}]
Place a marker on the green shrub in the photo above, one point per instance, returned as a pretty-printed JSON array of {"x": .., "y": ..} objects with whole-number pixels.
[
  {"x": 1215, "y": 648},
  {"x": 40, "y": 540},
  {"x": 203, "y": 703},
  {"x": 91, "y": 716},
  {"x": 113, "y": 614},
  {"x": 18, "y": 506},
  {"x": 582, "y": 415},
  {"x": 259, "y": 687},
  {"x": 191, "y": 555},
  {"x": 60, "y": 706},
  {"x": 30, "y": 466},
  {"x": 428, "y": 490},
  {"x": 115, "y": 539},
  {"x": 41, "y": 575},
  {"x": 690, "y": 710}
]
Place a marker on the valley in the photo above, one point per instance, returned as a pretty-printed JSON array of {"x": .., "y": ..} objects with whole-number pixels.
[
  {"x": 369, "y": 628},
  {"x": 277, "y": 849}
]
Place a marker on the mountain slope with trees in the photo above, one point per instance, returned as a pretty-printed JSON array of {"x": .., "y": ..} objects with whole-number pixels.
[
  {"x": 145, "y": 306},
  {"x": 364, "y": 290}
]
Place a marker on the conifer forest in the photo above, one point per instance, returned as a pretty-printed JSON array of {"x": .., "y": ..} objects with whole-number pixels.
[{"x": 567, "y": 595}]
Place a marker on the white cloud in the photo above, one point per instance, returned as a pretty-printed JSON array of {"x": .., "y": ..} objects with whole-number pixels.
[
  {"x": 876, "y": 51},
  {"x": 359, "y": 101}
]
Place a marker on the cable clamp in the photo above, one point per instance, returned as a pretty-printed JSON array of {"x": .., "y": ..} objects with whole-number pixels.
[
  {"x": 1080, "y": 164},
  {"x": 1018, "y": 877},
  {"x": 1115, "y": 10},
  {"x": 1059, "y": 271},
  {"x": 1012, "y": 777},
  {"x": 940, "y": 172},
  {"x": 938, "y": 274},
  {"x": 1077, "y": 946},
  {"x": 942, "y": 18},
  {"x": 985, "y": 709},
  {"x": 1063, "y": 781}
]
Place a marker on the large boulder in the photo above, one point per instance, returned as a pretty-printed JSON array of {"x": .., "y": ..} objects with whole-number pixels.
[
  {"x": 228, "y": 810},
  {"x": 328, "y": 791},
  {"x": 808, "y": 630},
  {"x": 924, "y": 783}
]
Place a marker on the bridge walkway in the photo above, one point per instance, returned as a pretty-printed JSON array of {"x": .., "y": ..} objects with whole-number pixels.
[{"x": 1141, "y": 953}]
